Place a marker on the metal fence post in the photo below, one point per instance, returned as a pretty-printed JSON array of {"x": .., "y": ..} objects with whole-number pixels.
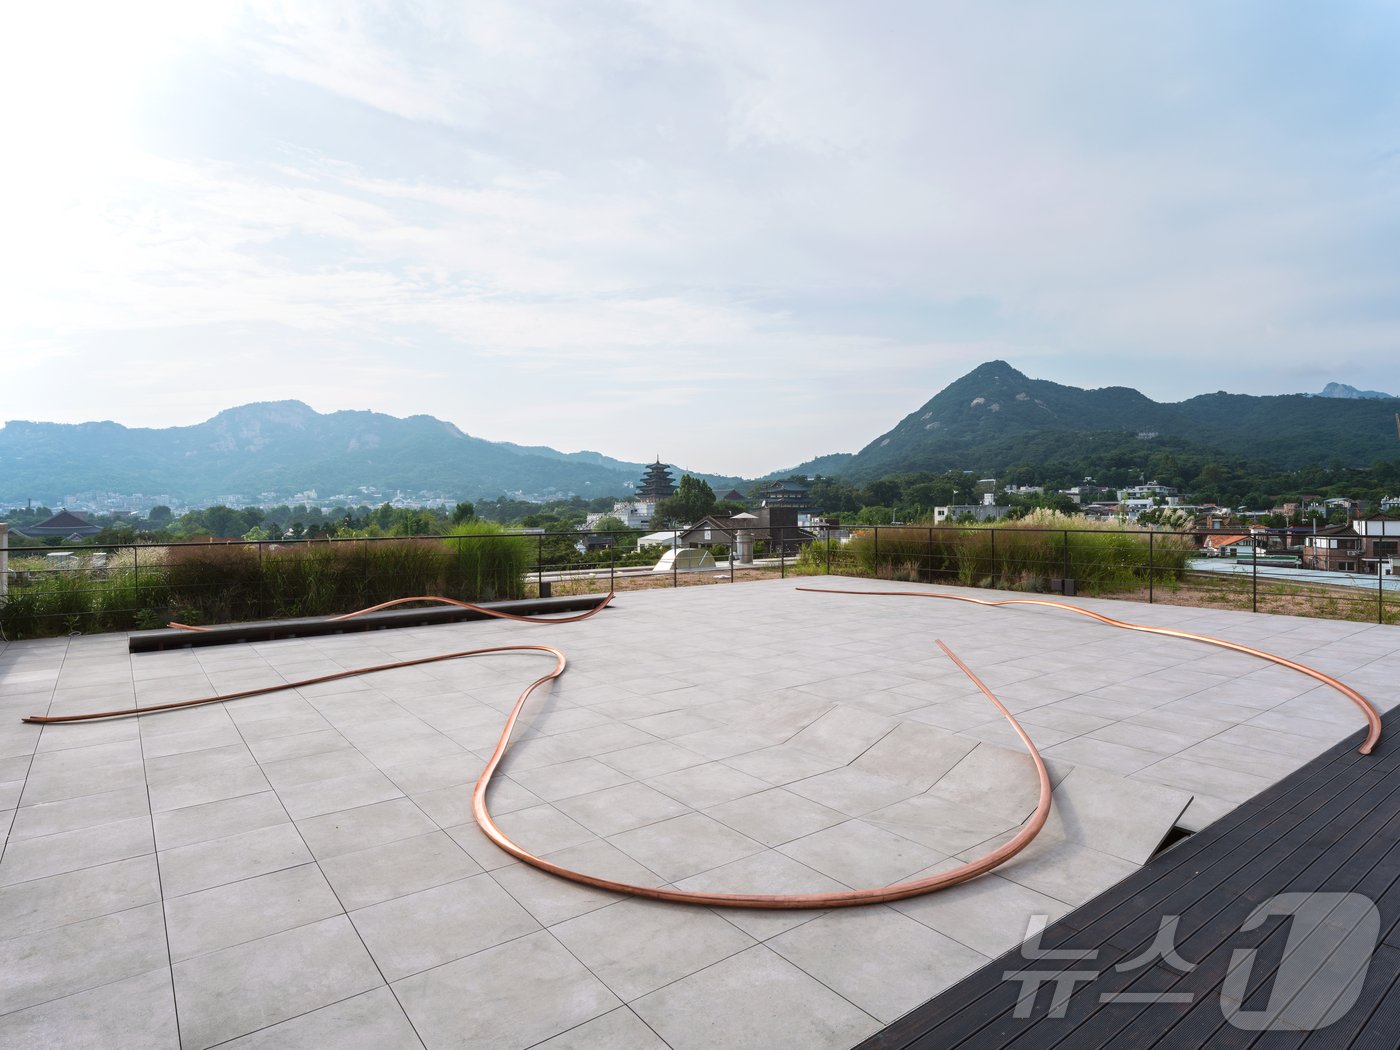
[
  {"x": 733, "y": 551},
  {"x": 828, "y": 550},
  {"x": 1380, "y": 590},
  {"x": 1254, "y": 600},
  {"x": 993, "y": 531},
  {"x": 539, "y": 566},
  {"x": 876, "y": 560},
  {"x": 1064, "y": 582},
  {"x": 675, "y": 551},
  {"x": 1150, "y": 537},
  {"x": 612, "y": 566}
]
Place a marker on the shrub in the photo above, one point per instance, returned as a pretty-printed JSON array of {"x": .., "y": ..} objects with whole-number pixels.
[
  {"x": 1021, "y": 555},
  {"x": 489, "y": 563}
]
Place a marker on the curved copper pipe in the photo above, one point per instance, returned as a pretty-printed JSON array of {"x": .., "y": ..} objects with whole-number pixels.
[
  {"x": 483, "y": 817},
  {"x": 263, "y": 690},
  {"x": 497, "y": 613},
  {"x": 1373, "y": 720},
  {"x": 842, "y": 899}
]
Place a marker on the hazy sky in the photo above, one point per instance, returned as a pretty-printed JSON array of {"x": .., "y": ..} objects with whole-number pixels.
[{"x": 733, "y": 235}]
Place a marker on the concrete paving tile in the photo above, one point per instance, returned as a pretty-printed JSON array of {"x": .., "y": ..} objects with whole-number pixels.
[
  {"x": 1116, "y": 815},
  {"x": 425, "y": 929},
  {"x": 781, "y": 764},
  {"x": 276, "y": 977},
  {"x": 995, "y": 779},
  {"x": 317, "y": 742},
  {"x": 205, "y": 762},
  {"x": 1101, "y": 754},
  {"x": 913, "y": 964},
  {"x": 41, "y": 904},
  {"x": 26, "y": 859},
  {"x": 650, "y": 760},
  {"x": 708, "y": 785},
  {"x": 395, "y": 869},
  {"x": 605, "y": 860},
  {"x": 843, "y": 734},
  {"x": 349, "y": 830},
  {"x": 956, "y": 715},
  {"x": 203, "y": 865},
  {"x": 621, "y": 808},
  {"x": 1201, "y": 778},
  {"x": 338, "y": 793},
  {"x": 768, "y": 1003},
  {"x": 90, "y": 759},
  {"x": 433, "y": 774},
  {"x": 551, "y": 899},
  {"x": 310, "y": 769},
  {"x": 510, "y": 996},
  {"x": 944, "y": 826},
  {"x": 1228, "y": 755},
  {"x": 620, "y": 1028},
  {"x": 716, "y": 744},
  {"x": 568, "y": 779},
  {"x": 766, "y": 872},
  {"x": 39, "y": 967},
  {"x": 637, "y": 946},
  {"x": 1203, "y": 812},
  {"x": 179, "y": 742},
  {"x": 136, "y": 1012},
  {"x": 216, "y": 820},
  {"x": 988, "y": 914},
  {"x": 860, "y": 855},
  {"x": 1067, "y": 871},
  {"x": 197, "y": 789},
  {"x": 775, "y": 816},
  {"x": 53, "y": 818},
  {"x": 370, "y": 1021},
  {"x": 853, "y": 791},
  {"x": 223, "y": 916},
  {"x": 1270, "y": 741},
  {"x": 915, "y": 754},
  {"x": 1157, "y": 740},
  {"x": 685, "y": 845},
  {"x": 542, "y": 829}
]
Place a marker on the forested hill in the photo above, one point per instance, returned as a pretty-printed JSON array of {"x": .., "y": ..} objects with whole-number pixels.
[
  {"x": 995, "y": 418},
  {"x": 286, "y": 447}
]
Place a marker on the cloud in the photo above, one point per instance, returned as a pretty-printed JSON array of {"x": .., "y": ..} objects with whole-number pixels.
[{"x": 760, "y": 232}]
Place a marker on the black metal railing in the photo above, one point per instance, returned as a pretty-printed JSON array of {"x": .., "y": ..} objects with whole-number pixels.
[{"x": 90, "y": 588}]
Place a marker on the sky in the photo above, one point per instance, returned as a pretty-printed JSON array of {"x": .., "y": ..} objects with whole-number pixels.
[{"x": 732, "y": 235}]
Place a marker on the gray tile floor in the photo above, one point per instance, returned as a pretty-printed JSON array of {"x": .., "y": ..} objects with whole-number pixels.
[{"x": 302, "y": 870}]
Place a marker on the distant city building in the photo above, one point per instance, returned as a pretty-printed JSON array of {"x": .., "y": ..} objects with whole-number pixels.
[{"x": 656, "y": 483}]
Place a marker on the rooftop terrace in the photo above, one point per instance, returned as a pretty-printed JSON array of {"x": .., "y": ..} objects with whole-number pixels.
[{"x": 302, "y": 869}]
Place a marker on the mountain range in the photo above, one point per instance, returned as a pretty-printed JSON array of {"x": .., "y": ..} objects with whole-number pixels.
[
  {"x": 273, "y": 450},
  {"x": 996, "y": 417},
  {"x": 989, "y": 420}
]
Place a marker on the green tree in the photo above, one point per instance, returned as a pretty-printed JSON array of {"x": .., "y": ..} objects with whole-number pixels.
[
  {"x": 693, "y": 499},
  {"x": 464, "y": 511}
]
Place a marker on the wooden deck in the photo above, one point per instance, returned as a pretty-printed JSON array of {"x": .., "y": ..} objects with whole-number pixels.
[{"x": 1333, "y": 826}]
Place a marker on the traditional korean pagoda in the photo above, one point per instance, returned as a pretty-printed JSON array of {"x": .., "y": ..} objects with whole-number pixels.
[{"x": 656, "y": 483}]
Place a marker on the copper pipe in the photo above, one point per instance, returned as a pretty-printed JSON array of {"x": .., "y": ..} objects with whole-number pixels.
[
  {"x": 263, "y": 690},
  {"x": 497, "y": 613},
  {"x": 1373, "y": 720},
  {"x": 843, "y": 899},
  {"x": 483, "y": 817}
]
